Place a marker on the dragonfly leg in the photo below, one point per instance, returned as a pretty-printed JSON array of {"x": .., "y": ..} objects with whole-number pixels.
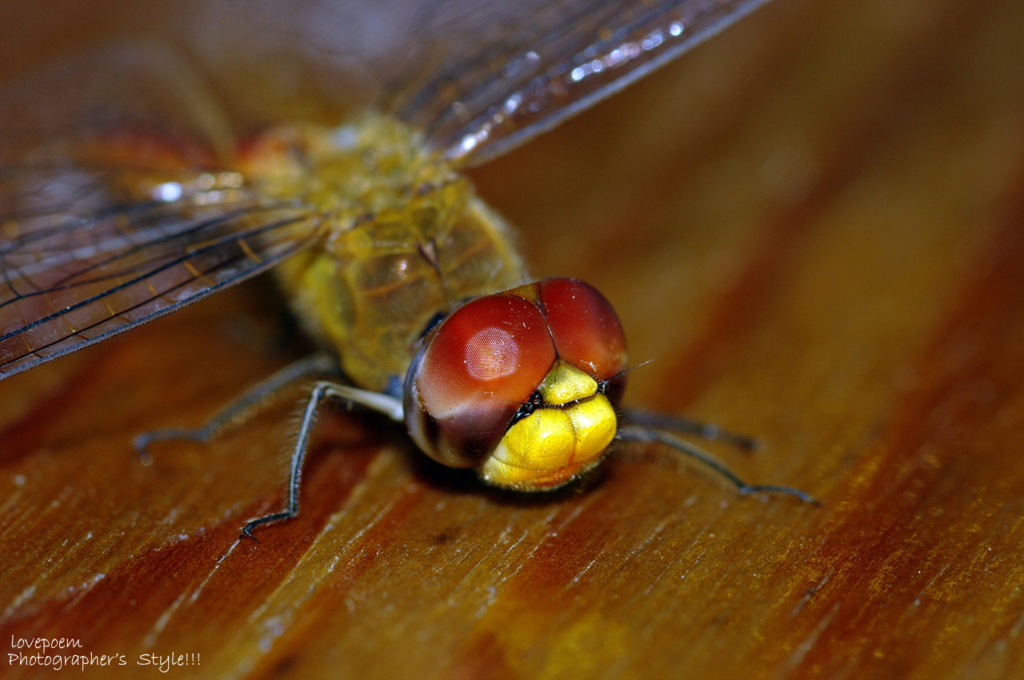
[
  {"x": 708, "y": 431},
  {"x": 322, "y": 390},
  {"x": 646, "y": 434},
  {"x": 238, "y": 410}
]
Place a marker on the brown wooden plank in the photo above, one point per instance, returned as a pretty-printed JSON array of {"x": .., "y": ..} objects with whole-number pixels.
[{"x": 814, "y": 227}]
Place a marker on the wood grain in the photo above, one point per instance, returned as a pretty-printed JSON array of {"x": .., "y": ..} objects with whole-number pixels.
[{"x": 814, "y": 228}]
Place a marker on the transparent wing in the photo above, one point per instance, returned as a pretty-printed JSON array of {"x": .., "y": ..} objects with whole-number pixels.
[
  {"x": 478, "y": 76},
  {"x": 550, "y": 61},
  {"x": 106, "y": 222},
  {"x": 78, "y": 266}
]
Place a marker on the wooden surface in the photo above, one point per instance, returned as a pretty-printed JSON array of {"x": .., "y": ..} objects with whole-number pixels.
[{"x": 814, "y": 227}]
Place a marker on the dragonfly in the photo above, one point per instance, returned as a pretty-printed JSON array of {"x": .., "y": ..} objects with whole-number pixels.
[{"x": 131, "y": 199}]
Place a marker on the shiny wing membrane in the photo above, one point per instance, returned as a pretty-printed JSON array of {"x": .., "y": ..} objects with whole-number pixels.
[
  {"x": 107, "y": 222},
  {"x": 115, "y": 207},
  {"x": 478, "y": 76},
  {"x": 553, "y": 60}
]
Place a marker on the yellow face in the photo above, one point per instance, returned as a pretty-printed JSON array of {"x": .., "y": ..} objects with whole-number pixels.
[
  {"x": 560, "y": 440},
  {"x": 520, "y": 385}
]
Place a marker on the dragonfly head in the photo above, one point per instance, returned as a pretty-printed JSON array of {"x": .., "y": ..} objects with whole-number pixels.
[{"x": 521, "y": 385}]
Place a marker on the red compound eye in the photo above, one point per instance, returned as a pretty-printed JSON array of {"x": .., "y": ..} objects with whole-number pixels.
[
  {"x": 585, "y": 328},
  {"x": 482, "y": 363},
  {"x": 474, "y": 372}
]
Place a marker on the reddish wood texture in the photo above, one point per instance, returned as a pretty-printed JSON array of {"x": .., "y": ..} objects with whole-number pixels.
[{"x": 814, "y": 227}]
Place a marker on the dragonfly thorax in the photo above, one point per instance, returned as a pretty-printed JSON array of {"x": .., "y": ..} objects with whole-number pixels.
[{"x": 404, "y": 237}]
